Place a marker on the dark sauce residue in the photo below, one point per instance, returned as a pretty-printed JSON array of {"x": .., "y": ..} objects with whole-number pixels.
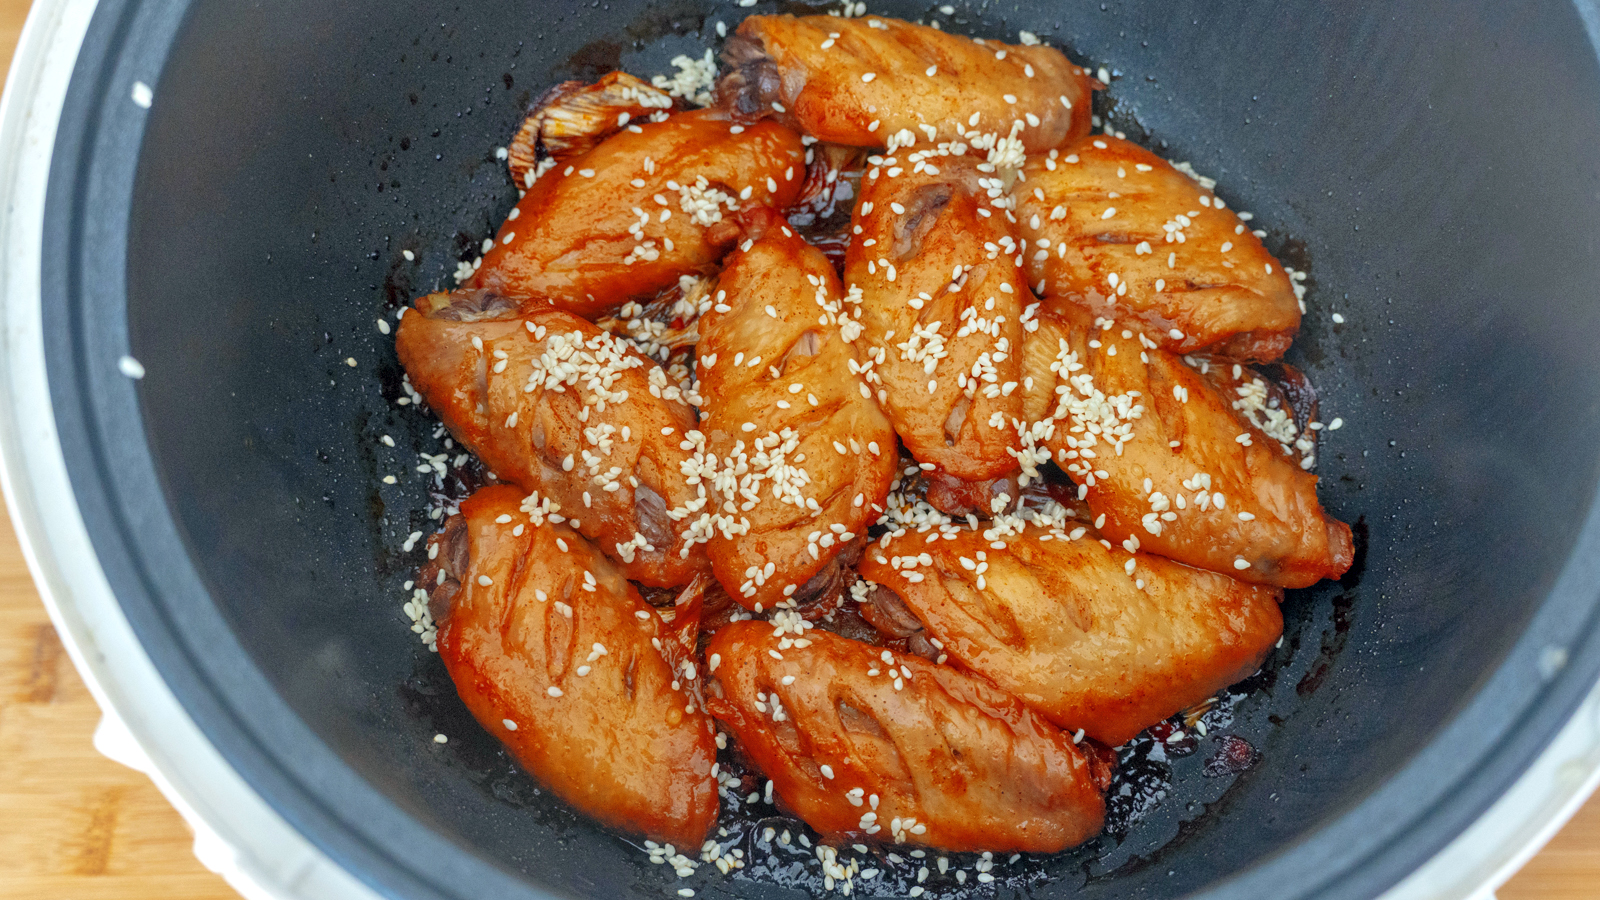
[{"x": 1333, "y": 643}]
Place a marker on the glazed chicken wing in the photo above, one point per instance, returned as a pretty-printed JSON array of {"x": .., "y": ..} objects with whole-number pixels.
[
  {"x": 1167, "y": 464},
  {"x": 808, "y": 459},
  {"x": 552, "y": 650},
  {"x": 1066, "y": 627},
  {"x": 627, "y": 218},
  {"x": 860, "y": 742},
  {"x": 574, "y": 117},
  {"x": 1116, "y": 228},
  {"x": 941, "y": 296},
  {"x": 558, "y": 407},
  {"x": 860, "y": 81}
]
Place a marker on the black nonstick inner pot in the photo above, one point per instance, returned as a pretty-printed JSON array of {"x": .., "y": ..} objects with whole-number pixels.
[{"x": 1432, "y": 164}]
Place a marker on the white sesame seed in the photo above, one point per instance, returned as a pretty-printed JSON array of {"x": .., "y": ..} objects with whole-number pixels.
[
  {"x": 510, "y": 725},
  {"x": 142, "y": 95}
]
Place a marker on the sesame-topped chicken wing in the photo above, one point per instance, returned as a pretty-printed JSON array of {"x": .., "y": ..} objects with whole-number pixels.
[
  {"x": 1167, "y": 464},
  {"x": 1114, "y": 227},
  {"x": 941, "y": 298},
  {"x": 626, "y": 219},
  {"x": 807, "y": 455},
  {"x": 569, "y": 413},
  {"x": 858, "y": 741},
  {"x": 573, "y": 117},
  {"x": 861, "y": 81},
  {"x": 1093, "y": 638},
  {"x": 554, "y": 653}
]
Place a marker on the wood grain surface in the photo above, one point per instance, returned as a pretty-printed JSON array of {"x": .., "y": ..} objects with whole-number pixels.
[{"x": 76, "y": 826}]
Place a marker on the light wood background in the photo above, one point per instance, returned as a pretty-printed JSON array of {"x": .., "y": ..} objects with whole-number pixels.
[{"x": 76, "y": 826}]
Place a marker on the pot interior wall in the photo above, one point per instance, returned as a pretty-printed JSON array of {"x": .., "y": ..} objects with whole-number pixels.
[{"x": 1431, "y": 165}]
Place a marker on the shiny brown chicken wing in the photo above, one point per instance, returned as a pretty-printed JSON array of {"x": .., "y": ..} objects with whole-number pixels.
[
  {"x": 1167, "y": 464},
  {"x": 1076, "y": 632},
  {"x": 552, "y": 651},
  {"x": 808, "y": 458},
  {"x": 860, "y": 742},
  {"x": 860, "y": 81},
  {"x": 553, "y": 404},
  {"x": 1114, "y": 227},
  {"x": 935, "y": 264},
  {"x": 626, "y": 219},
  {"x": 574, "y": 117}
]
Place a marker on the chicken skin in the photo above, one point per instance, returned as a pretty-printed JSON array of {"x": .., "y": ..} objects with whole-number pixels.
[
  {"x": 941, "y": 292},
  {"x": 1063, "y": 624},
  {"x": 552, "y": 651},
  {"x": 807, "y": 456},
  {"x": 551, "y": 403},
  {"x": 1166, "y": 463},
  {"x": 860, "y": 742},
  {"x": 573, "y": 117},
  {"x": 861, "y": 81},
  {"x": 626, "y": 219},
  {"x": 1116, "y": 228}
]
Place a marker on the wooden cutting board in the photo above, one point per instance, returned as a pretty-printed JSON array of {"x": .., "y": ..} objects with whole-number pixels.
[{"x": 76, "y": 826}]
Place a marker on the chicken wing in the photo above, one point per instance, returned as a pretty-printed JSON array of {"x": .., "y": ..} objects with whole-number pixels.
[
  {"x": 862, "y": 81},
  {"x": 860, "y": 742},
  {"x": 806, "y": 453},
  {"x": 1166, "y": 463},
  {"x": 553, "y": 652},
  {"x": 1118, "y": 229},
  {"x": 1093, "y": 638},
  {"x": 936, "y": 267},
  {"x": 574, "y": 117},
  {"x": 626, "y": 219},
  {"x": 574, "y": 415}
]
